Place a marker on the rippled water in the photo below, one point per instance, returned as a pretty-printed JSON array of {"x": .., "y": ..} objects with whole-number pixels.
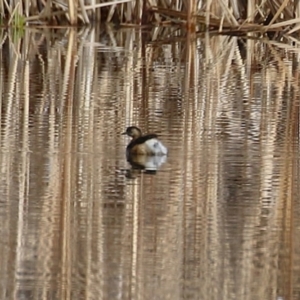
[{"x": 217, "y": 219}]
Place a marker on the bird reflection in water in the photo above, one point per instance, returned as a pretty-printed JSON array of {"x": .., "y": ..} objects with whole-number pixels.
[{"x": 144, "y": 163}]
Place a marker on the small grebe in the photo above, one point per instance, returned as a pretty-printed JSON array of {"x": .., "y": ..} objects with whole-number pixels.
[{"x": 148, "y": 144}]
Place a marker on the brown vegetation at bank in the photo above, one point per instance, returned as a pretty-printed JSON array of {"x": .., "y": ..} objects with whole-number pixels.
[{"x": 221, "y": 15}]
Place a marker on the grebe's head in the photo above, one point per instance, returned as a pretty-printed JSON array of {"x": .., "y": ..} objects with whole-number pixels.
[{"x": 133, "y": 131}]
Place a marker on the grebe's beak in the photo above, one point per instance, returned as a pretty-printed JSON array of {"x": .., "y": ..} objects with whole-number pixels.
[{"x": 124, "y": 133}]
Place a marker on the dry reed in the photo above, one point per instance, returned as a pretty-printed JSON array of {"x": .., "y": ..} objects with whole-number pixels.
[{"x": 221, "y": 15}]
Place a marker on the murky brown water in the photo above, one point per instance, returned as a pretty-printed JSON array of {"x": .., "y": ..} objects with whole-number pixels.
[{"x": 218, "y": 219}]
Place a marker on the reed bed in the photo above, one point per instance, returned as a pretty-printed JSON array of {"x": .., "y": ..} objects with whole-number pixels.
[
  {"x": 58, "y": 93},
  {"x": 235, "y": 16}
]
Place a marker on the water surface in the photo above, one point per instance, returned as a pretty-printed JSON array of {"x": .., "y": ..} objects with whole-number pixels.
[{"x": 218, "y": 219}]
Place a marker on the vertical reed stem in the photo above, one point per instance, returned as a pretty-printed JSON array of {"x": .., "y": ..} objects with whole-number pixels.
[
  {"x": 191, "y": 24},
  {"x": 73, "y": 5},
  {"x": 26, "y": 8},
  {"x": 2, "y": 9}
]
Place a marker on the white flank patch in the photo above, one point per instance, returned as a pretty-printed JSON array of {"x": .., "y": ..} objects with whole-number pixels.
[{"x": 156, "y": 147}]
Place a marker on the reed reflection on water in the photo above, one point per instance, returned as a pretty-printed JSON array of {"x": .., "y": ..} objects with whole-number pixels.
[{"x": 218, "y": 219}]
